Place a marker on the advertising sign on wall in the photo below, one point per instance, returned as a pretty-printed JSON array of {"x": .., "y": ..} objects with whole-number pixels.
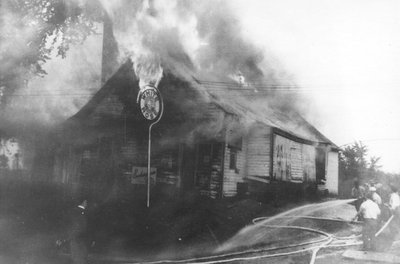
[
  {"x": 293, "y": 161},
  {"x": 139, "y": 175}
]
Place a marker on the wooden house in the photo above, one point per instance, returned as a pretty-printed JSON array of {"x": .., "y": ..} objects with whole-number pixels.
[{"x": 202, "y": 144}]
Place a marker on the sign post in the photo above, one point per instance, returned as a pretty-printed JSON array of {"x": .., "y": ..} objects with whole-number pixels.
[{"x": 152, "y": 108}]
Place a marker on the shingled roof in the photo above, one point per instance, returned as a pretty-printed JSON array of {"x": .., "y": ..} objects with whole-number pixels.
[{"x": 125, "y": 85}]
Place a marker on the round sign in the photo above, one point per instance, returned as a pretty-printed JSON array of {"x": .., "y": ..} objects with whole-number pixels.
[{"x": 150, "y": 103}]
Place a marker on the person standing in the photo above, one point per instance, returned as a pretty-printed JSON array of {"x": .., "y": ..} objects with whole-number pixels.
[
  {"x": 375, "y": 196},
  {"x": 77, "y": 235},
  {"x": 370, "y": 212},
  {"x": 394, "y": 206},
  {"x": 394, "y": 199},
  {"x": 358, "y": 192}
]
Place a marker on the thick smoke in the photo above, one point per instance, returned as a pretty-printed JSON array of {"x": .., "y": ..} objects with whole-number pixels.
[
  {"x": 190, "y": 39},
  {"x": 203, "y": 40},
  {"x": 68, "y": 85},
  {"x": 40, "y": 87},
  {"x": 201, "y": 35},
  {"x": 39, "y": 90}
]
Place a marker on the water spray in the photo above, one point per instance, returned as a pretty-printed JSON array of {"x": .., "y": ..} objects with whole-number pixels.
[{"x": 314, "y": 246}]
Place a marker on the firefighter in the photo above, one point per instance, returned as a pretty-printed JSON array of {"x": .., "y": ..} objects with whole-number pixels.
[
  {"x": 375, "y": 196},
  {"x": 394, "y": 199},
  {"x": 77, "y": 235},
  {"x": 394, "y": 206},
  {"x": 358, "y": 192},
  {"x": 370, "y": 212}
]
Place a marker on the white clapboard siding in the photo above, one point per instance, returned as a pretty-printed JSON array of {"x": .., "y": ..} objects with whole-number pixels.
[
  {"x": 309, "y": 169},
  {"x": 296, "y": 161},
  {"x": 332, "y": 178},
  {"x": 232, "y": 177},
  {"x": 259, "y": 151}
]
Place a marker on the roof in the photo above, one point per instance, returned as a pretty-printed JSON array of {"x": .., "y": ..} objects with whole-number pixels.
[
  {"x": 286, "y": 120},
  {"x": 249, "y": 111},
  {"x": 290, "y": 122},
  {"x": 120, "y": 83}
]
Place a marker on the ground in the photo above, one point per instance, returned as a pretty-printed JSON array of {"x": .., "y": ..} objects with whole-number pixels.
[{"x": 32, "y": 218}]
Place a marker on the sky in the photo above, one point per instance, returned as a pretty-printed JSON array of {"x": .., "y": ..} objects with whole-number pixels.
[{"x": 345, "y": 54}]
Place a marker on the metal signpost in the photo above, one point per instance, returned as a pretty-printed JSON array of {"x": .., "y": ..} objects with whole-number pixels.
[{"x": 152, "y": 108}]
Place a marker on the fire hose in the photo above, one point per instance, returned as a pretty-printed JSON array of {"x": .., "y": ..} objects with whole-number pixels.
[
  {"x": 326, "y": 242},
  {"x": 234, "y": 256}
]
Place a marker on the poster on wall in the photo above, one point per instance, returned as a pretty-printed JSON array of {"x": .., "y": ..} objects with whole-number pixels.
[
  {"x": 293, "y": 161},
  {"x": 309, "y": 170},
  {"x": 168, "y": 169}
]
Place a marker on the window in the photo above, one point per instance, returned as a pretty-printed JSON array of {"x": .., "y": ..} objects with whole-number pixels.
[
  {"x": 233, "y": 160},
  {"x": 235, "y": 142}
]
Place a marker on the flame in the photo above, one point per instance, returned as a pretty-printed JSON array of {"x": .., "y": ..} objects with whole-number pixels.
[
  {"x": 149, "y": 71},
  {"x": 178, "y": 33}
]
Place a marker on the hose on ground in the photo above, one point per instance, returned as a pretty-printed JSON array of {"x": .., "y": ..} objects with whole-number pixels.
[
  {"x": 217, "y": 258},
  {"x": 230, "y": 257}
]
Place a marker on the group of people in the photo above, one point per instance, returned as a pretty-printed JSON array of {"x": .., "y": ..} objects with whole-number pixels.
[{"x": 374, "y": 212}]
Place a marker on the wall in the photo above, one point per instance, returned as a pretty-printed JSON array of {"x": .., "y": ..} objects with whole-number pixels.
[
  {"x": 67, "y": 165},
  {"x": 233, "y": 176},
  {"x": 293, "y": 161},
  {"x": 308, "y": 162},
  {"x": 110, "y": 106},
  {"x": 287, "y": 159},
  {"x": 236, "y": 144},
  {"x": 332, "y": 177},
  {"x": 259, "y": 153},
  {"x": 209, "y": 167}
]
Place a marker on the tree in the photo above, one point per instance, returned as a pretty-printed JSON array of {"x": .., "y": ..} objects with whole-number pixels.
[
  {"x": 3, "y": 162},
  {"x": 31, "y": 30},
  {"x": 354, "y": 163}
]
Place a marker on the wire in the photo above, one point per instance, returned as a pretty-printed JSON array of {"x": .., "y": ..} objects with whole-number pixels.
[
  {"x": 216, "y": 87},
  {"x": 371, "y": 140},
  {"x": 255, "y": 89},
  {"x": 48, "y": 94}
]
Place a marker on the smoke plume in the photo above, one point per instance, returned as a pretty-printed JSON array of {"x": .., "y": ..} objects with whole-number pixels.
[
  {"x": 201, "y": 42},
  {"x": 204, "y": 41},
  {"x": 201, "y": 39},
  {"x": 202, "y": 36}
]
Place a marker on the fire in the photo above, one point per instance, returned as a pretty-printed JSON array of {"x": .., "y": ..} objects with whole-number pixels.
[
  {"x": 149, "y": 71},
  {"x": 194, "y": 39}
]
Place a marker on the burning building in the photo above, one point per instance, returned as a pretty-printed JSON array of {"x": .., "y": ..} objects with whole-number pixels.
[
  {"x": 206, "y": 144},
  {"x": 215, "y": 138}
]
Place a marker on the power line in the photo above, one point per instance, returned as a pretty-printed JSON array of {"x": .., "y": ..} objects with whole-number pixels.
[
  {"x": 253, "y": 89},
  {"x": 371, "y": 140},
  {"x": 49, "y": 94}
]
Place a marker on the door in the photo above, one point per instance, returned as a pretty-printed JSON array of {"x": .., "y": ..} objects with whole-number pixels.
[
  {"x": 187, "y": 167},
  {"x": 320, "y": 160}
]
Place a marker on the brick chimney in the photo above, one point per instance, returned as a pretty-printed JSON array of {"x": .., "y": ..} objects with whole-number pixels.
[{"x": 109, "y": 59}]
